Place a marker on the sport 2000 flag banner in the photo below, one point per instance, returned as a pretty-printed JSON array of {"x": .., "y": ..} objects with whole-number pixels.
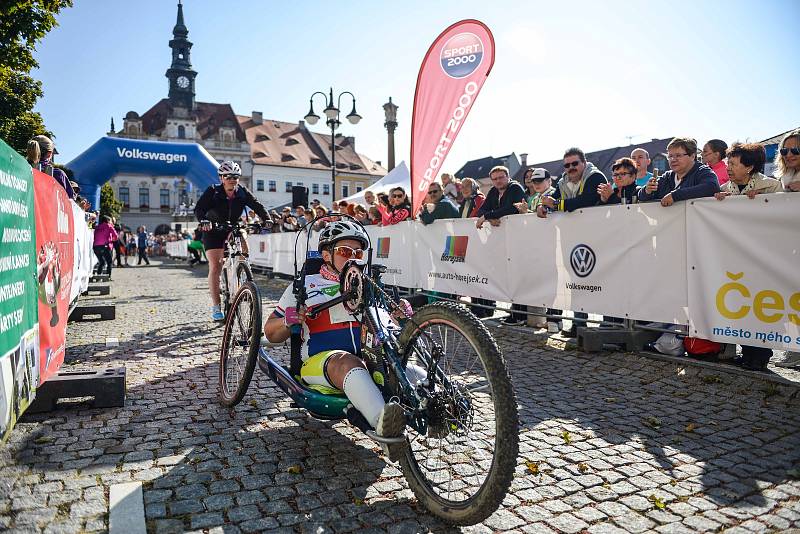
[
  {"x": 744, "y": 270},
  {"x": 450, "y": 78},
  {"x": 19, "y": 337}
]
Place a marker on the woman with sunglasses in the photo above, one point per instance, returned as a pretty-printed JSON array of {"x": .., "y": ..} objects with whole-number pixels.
[
  {"x": 223, "y": 203},
  {"x": 787, "y": 162},
  {"x": 399, "y": 208},
  {"x": 332, "y": 339}
]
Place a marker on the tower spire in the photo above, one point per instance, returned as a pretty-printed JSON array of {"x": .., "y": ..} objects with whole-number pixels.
[
  {"x": 180, "y": 74},
  {"x": 180, "y": 30}
]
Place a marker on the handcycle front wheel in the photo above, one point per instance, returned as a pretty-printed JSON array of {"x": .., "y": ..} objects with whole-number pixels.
[
  {"x": 240, "y": 343},
  {"x": 461, "y": 468}
]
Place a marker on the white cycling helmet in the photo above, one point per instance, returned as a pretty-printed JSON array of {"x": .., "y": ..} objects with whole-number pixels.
[
  {"x": 338, "y": 230},
  {"x": 227, "y": 168}
]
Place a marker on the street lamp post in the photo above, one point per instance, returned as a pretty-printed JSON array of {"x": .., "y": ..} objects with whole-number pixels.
[{"x": 332, "y": 120}]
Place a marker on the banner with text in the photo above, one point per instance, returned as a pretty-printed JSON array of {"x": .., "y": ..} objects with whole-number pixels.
[
  {"x": 450, "y": 78},
  {"x": 622, "y": 261},
  {"x": 55, "y": 251},
  {"x": 452, "y": 256},
  {"x": 19, "y": 332},
  {"x": 744, "y": 270},
  {"x": 84, "y": 258},
  {"x": 391, "y": 247}
]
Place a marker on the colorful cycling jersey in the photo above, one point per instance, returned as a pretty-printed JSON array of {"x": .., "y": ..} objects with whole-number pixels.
[{"x": 334, "y": 328}]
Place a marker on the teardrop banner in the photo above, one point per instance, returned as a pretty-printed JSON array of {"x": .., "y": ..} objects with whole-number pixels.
[{"x": 450, "y": 78}]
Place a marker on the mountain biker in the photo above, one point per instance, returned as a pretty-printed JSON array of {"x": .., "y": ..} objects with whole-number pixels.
[
  {"x": 332, "y": 339},
  {"x": 223, "y": 203}
]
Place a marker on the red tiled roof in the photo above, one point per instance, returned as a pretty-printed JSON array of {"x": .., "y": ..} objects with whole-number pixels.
[{"x": 286, "y": 144}]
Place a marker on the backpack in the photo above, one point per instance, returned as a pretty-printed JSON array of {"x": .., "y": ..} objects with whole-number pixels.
[{"x": 696, "y": 346}]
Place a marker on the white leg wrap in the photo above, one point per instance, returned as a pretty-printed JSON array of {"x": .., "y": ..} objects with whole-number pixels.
[
  {"x": 364, "y": 394},
  {"x": 415, "y": 373}
]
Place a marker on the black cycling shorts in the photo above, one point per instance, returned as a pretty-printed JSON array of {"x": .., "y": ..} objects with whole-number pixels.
[{"x": 214, "y": 239}]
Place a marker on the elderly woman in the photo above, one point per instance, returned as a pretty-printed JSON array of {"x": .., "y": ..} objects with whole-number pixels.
[
  {"x": 399, "y": 208},
  {"x": 745, "y": 165},
  {"x": 787, "y": 162},
  {"x": 473, "y": 198}
]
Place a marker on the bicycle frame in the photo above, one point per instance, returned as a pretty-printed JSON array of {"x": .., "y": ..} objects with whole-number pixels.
[{"x": 374, "y": 298}]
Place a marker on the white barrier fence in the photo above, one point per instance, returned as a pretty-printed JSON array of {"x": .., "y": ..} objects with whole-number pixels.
[
  {"x": 84, "y": 259},
  {"x": 634, "y": 261},
  {"x": 178, "y": 249}
]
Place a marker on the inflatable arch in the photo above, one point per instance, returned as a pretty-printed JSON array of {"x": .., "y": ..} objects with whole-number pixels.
[{"x": 110, "y": 156}]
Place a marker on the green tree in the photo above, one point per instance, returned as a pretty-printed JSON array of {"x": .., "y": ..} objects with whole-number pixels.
[
  {"x": 109, "y": 205},
  {"x": 23, "y": 23}
]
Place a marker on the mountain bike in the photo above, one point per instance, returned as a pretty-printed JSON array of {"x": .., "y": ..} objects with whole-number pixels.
[
  {"x": 235, "y": 266},
  {"x": 461, "y": 443}
]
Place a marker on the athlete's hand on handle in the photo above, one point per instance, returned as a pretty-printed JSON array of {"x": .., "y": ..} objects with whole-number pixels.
[{"x": 293, "y": 316}]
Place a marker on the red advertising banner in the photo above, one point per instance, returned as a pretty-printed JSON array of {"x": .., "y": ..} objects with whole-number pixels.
[
  {"x": 450, "y": 78},
  {"x": 55, "y": 236}
]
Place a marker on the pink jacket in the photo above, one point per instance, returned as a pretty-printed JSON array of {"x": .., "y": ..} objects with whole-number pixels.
[
  {"x": 721, "y": 170},
  {"x": 104, "y": 234}
]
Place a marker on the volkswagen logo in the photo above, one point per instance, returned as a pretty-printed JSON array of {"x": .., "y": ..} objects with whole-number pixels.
[{"x": 582, "y": 260}]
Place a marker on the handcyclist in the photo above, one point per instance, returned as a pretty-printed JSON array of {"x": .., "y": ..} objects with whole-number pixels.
[
  {"x": 223, "y": 203},
  {"x": 332, "y": 339}
]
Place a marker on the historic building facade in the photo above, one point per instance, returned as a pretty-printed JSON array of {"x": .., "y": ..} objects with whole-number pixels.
[{"x": 297, "y": 158}]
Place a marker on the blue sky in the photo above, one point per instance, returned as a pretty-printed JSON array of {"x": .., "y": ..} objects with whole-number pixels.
[{"x": 584, "y": 74}]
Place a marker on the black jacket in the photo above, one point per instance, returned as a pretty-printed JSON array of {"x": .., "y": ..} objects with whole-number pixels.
[
  {"x": 586, "y": 198},
  {"x": 445, "y": 209},
  {"x": 699, "y": 182},
  {"x": 628, "y": 193},
  {"x": 215, "y": 206},
  {"x": 495, "y": 207}
]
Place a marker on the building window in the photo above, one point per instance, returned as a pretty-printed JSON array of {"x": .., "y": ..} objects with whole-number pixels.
[
  {"x": 181, "y": 132},
  {"x": 359, "y": 188},
  {"x": 164, "y": 197},
  {"x": 259, "y": 185},
  {"x": 345, "y": 189},
  {"x": 288, "y": 187},
  {"x": 315, "y": 189},
  {"x": 125, "y": 196},
  {"x": 144, "y": 197},
  {"x": 273, "y": 186},
  {"x": 326, "y": 189}
]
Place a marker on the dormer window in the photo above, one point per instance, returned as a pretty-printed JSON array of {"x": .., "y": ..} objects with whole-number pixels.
[
  {"x": 261, "y": 138},
  {"x": 292, "y": 141}
]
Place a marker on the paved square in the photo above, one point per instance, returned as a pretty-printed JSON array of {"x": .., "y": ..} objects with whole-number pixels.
[{"x": 610, "y": 442}]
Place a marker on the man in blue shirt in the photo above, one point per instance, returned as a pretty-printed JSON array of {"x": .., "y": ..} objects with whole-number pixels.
[{"x": 642, "y": 159}]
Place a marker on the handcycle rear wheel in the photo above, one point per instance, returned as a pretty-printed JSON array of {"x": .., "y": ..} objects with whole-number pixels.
[
  {"x": 240, "y": 343},
  {"x": 462, "y": 467}
]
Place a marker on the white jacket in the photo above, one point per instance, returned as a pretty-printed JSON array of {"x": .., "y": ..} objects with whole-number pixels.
[{"x": 758, "y": 182}]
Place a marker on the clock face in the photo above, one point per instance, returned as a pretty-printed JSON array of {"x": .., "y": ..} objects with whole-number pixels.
[{"x": 183, "y": 82}]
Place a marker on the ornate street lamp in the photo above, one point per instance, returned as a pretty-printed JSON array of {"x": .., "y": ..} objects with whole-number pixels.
[{"x": 332, "y": 119}]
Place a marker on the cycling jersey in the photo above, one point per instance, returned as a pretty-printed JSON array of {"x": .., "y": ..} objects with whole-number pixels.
[
  {"x": 334, "y": 328},
  {"x": 215, "y": 206}
]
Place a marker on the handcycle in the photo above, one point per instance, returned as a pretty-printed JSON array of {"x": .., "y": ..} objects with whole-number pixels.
[
  {"x": 462, "y": 438},
  {"x": 235, "y": 266}
]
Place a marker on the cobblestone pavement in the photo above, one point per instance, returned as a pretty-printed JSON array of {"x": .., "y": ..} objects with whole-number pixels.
[{"x": 611, "y": 442}]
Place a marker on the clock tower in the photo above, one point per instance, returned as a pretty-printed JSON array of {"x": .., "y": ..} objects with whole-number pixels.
[{"x": 180, "y": 73}]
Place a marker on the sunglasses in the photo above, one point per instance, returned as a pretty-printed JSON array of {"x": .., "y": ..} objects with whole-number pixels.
[
  {"x": 794, "y": 150},
  {"x": 401, "y": 195},
  {"x": 573, "y": 164},
  {"x": 434, "y": 190},
  {"x": 349, "y": 252},
  {"x": 229, "y": 177}
]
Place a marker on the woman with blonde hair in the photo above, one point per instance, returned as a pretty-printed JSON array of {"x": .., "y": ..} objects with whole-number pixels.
[
  {"x": 40, "y": 156},
  {"x": 787, "y": 161}
]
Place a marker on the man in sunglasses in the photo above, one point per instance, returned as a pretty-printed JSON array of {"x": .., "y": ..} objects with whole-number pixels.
[
  {"x": 437, "y": 206},
  {"x": 332, "y": 339},
  {"x": 223, "y": 203},
  {"x": 577, "y": 188}
]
